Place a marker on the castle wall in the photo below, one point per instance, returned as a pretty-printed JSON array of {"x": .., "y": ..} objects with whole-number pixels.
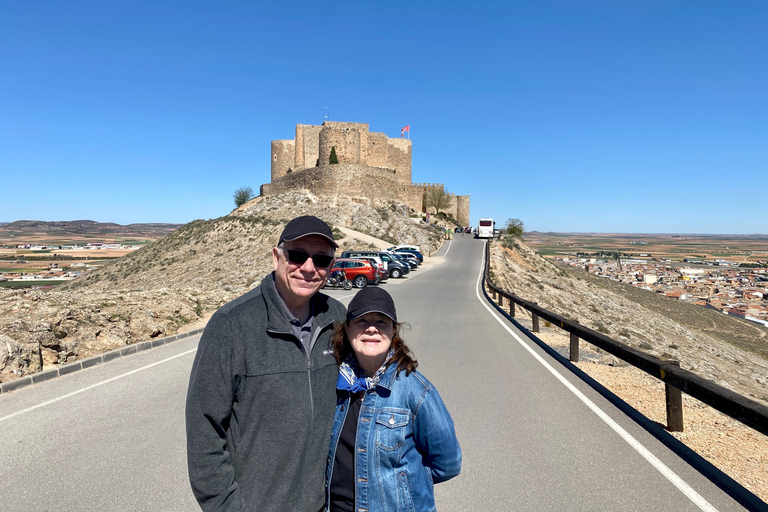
[
  {"x": 399, "y": 159},
  {"x": 349, "y": 179},
  {"x": 283, "y": 157},
  {"x": 452, "y": 206},
  {"x": 413, "y": 197},
  {"x": 462, "y": 210},
  {"x": 307, "y": 143},
  {"x": 374, "y": 150}
]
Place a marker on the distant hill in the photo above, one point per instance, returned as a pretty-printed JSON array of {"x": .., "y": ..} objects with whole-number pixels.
[{"x": 86, "y": 227}]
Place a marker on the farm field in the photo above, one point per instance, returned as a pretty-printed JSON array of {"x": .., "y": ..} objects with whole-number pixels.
[
  {"x": 15, "y": 260},
  {"x": 706, "y": 248}
]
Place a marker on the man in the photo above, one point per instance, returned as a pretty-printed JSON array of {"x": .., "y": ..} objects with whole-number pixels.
[{"x": 262, "y": 393}]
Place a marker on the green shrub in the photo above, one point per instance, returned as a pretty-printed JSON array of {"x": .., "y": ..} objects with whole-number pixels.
[
  {"x": 242, "y": 196},
  {"x": 514, "y": 227}
]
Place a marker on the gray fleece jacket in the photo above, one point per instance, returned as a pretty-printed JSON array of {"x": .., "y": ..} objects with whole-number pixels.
[{"x": 259, "y": 408}]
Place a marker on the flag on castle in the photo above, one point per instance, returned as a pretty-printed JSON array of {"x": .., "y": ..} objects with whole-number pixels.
[{"x": 406, "y": 128}]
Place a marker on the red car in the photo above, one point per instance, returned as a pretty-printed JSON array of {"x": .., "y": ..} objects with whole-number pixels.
[
  {"x": 360, "y": 272},
  {"x": 380, "y": 266}
]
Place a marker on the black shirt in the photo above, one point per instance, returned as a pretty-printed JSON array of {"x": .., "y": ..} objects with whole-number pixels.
[{"x": 343, "y": 477}]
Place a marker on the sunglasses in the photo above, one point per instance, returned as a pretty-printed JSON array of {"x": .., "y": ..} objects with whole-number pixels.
[{"x": 299, "y": 257}]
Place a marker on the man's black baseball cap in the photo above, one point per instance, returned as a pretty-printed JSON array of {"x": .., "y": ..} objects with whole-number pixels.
[
  {"x": 307, "y": 225},
  {"x": 372, "y": 299}
]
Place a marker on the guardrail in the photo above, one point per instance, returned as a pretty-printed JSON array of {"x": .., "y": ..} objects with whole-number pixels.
[{"x": 676, "y": 379}]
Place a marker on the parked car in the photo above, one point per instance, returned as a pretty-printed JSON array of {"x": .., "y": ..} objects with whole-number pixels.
[
  {"x": 410, "y": 258},
  {"x": 408, "y": 263},
  {"x": 405, "y": 246},
  {"x": 360, "y": 272},
  {"x": 412, "y": 251},
  {"x": 376, "y": 261},
  {"x": 395, "y": 268},
  {"x": 371, "y": 255}
]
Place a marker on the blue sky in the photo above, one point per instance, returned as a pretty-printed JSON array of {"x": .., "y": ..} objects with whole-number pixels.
[{"x": 572, "y": 116}]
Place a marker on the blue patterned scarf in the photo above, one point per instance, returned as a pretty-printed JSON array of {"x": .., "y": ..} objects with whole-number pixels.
[{"x": 352, "y": 378}]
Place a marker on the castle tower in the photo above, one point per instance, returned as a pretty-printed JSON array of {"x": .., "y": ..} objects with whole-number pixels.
[
  {"x": 307, "y": 146},
  {"x": 462, "y": 210},
  {"x": 283, "y": 156},
  {"x": 346, "y": 138},
  {"x": 399, "y": 159}
]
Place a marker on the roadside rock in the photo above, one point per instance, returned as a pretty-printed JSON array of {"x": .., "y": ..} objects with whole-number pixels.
[{"x": 17, "y": 358}]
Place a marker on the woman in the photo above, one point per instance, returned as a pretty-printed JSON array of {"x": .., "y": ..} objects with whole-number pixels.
[{"x": 392, "y": 437}]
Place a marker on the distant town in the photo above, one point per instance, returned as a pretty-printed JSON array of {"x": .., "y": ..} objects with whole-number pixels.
[
  {"x": 728, "y": 273},
  {"x": 721, "y": 285},
  {"x": 41, "y": 254},
  {"x": 54, "y": 272}
]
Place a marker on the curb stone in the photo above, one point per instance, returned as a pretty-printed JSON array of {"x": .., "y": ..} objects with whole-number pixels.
[{"x": 76, "y": 366}]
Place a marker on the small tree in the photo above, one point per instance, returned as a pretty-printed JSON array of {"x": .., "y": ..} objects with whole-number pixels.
[
  {"x": 514, "y": 227},
  {"x": 333, "y": 158},
  {"x": 242, "y": 196},
  {"x": 437, "y": 198}
]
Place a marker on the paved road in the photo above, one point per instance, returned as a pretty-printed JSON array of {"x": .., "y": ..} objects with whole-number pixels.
[{"x": 534, "y": 437}]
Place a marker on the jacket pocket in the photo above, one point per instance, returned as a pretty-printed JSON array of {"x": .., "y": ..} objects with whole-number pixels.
[
  {"x": 404, "y": 493},
  {"x": 390, "y": 430}
]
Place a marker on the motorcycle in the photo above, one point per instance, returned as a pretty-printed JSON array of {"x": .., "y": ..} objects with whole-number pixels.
[{"x": 338, "y": 278}]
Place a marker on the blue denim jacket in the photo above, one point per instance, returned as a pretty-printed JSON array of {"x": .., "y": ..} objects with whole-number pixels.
[{"x": 405, "y": 443}]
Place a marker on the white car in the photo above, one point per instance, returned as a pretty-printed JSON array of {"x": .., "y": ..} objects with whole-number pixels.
[{"x": 404, "y": 246}]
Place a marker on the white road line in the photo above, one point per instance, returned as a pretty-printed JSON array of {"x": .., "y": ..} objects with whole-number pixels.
[
  {"x": 449, "y": 248},
  {"x": 670, "y": 475},
  {"x": 49, "y": 402}
]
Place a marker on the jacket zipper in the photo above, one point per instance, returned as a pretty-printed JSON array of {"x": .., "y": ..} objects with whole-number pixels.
[{"x": 315, "y": 335}]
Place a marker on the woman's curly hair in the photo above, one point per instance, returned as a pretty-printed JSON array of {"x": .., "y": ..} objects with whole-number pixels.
[{"x": 403, "y": 356}]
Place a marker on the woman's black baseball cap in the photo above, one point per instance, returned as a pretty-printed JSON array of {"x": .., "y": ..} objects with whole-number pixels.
[{"x": 371, "y": 299}]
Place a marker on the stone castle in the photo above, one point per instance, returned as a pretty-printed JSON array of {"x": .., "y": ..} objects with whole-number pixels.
[{"x": 370, "y": 164}]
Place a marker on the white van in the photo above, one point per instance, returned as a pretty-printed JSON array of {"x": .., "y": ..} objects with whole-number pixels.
[{"x": 485, "y": 228}]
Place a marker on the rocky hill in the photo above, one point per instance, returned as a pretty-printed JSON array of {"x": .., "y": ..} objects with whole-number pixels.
[
  {"x": 168, "y": 285},
  {"x": 724, "y": 349}
]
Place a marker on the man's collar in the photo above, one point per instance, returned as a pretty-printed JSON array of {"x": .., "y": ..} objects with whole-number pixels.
[{"x": 277, "y": 312}]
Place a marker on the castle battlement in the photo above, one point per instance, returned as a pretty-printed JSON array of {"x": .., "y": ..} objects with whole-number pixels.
[
  {"x": 370, "y": 164},
  {"x": 429, "y": 185}
]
